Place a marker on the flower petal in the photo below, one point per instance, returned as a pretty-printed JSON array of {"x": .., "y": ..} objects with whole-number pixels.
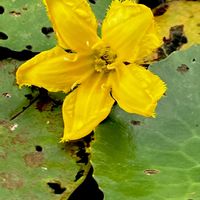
[
  {"x": 55, "y": 70},
  {"x": 86, "y": 107},
  {"x": 74, "y": 23},
  {"x": 136, "y": 89},
  {"x": 129, "y": 29}
]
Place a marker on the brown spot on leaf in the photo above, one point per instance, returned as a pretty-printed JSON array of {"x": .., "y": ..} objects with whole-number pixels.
[
  {"x": 44, "y": 105},
  {"x": 183, "y": 68},
  {"x": 7, "y": 95},
  {"x": 34, "y": 159},
  {"x": 135, "y": 123},
  {"x": 99, "y": 23},
  {"x": 10, "y": 181},
  {"x": 1, "y": 64},
  {"x": 5, "y": 124},
  {"x": 175, "y": 41},
  {"x": 13, "y": 72},
  {"x": 151, "y": 171},
  {"x": 19, "y": 139},
  {"x": 15, "y": 13},
  {"x": 3, "y": 155}
]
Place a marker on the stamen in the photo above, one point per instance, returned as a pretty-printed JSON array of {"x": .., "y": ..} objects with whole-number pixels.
[{"x": 104, "y": 58}]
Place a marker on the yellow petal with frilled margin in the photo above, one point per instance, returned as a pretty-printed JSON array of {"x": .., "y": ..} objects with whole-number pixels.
[
  {"x": 55, "y": 70},
  {"x": 86, "y": 107},
  {"x": 129, "y": 29},
  {"x": 136, "y": 89},
  {"x": 73, "y": 22}
]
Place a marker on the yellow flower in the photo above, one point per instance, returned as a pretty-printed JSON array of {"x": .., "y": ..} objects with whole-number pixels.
[{"x": 105, "y": 69}]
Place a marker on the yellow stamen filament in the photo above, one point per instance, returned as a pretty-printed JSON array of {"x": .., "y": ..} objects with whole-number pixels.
[{"x": 104, "y": 58}]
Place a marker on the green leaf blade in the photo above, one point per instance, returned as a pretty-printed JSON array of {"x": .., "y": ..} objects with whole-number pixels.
[{"x": 143, "y": 158}]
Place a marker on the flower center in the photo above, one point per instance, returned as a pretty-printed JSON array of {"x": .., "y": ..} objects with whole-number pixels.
[{"x": 104, "y": 58}]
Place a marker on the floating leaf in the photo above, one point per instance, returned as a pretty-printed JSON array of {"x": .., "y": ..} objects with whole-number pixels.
[
  {"x": 33, "y": 164},
  {"x": 144, "y": 158},
  {"x": 25, "y": 25},
  {"x": 184, "y": 13}
]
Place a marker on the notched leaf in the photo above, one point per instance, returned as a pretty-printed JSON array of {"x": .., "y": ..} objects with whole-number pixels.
[
  {"x": 19, "y": 55},
  {"x": 29, "y": 97},
  {"x": 3, "y": 36},
  {"x": 92, "y": 1},
  {"x": 56, "y": 187},
  {"x": 29, "y": 47},
  {"x": 79, "y": 175},
  {"x": 175, "y": 41},
  {"x": 1, "y": 10}
]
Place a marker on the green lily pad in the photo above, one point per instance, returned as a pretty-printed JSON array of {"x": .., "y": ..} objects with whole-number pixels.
[
  {"x": 25, "y": 25},
  {"x": 143, "y": 158},
  {"x": 33, "y": 164}
]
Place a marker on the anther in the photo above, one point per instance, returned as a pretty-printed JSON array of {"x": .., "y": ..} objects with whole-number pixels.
[{"x": 104, "y": 57}]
